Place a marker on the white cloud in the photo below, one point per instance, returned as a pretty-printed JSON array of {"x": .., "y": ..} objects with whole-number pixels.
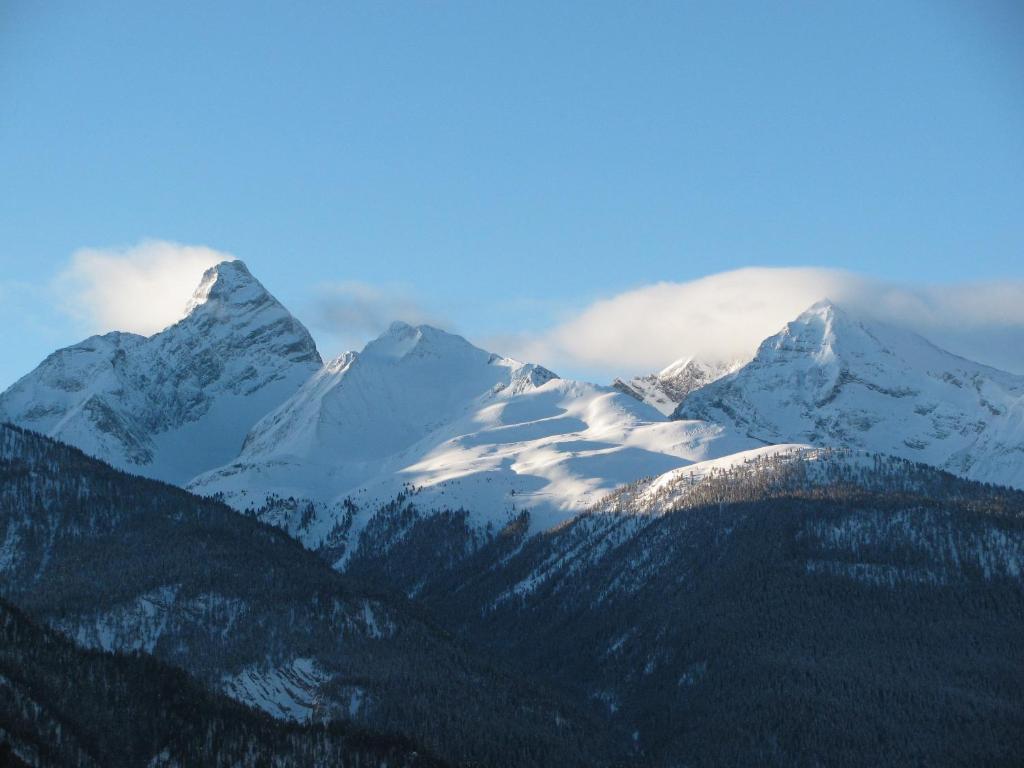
[
  {"x": 142, "y": 288},
  {"x": 726, "y": 315},
  {"x": 348, "y": 314}
]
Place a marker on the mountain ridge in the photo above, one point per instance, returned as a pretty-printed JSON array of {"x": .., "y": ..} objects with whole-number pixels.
[{"x": 235, "y": 400}]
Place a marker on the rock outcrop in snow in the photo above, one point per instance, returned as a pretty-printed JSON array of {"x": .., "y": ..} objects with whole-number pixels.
[{"x": 666, "y": 389}]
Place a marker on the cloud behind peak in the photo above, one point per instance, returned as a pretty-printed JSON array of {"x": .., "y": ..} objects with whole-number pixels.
[
  {"x": 725, "y": 316},
  {"x": 141, "y": 288}
]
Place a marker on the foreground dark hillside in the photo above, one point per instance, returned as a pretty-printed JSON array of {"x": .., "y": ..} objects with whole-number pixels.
[
  {"x": 818, "y": 608},
  {"x": 124, "y": 563},
  {"x": 64, "y": 706},
  {"x": 837, "y": 612}
]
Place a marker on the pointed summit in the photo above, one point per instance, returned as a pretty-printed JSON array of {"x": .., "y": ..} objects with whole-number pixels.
[
  {"x": 402, "y": 340},
  {"x": 823, "y": 306},
  {"x": 823, "y": 313},
  {"x": 228, "y": 282},
  {"x": 395, "y": 342},
  {"x": 230, "y": 303},
  {"x": 826, "y": 312},
  {"x": 824, "y": 330}
]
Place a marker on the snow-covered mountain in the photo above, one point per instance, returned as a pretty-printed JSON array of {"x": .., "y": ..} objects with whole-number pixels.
[
  {"x": 666, "y": 389},
  {"x": 421, "y": 408},
  {"x": 830, "y": 378},
  {"x": 181, "y": 401},
  {"x": 235, "y": 400}
]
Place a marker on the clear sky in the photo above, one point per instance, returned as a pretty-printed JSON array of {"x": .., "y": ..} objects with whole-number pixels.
[{"x": 500, "y": 166}]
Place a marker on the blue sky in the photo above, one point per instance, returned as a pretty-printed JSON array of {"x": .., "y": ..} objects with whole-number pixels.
[{"x": 500, "y": 167}]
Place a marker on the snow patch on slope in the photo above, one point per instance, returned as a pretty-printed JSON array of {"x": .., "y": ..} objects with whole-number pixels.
[
  {"x": 135, "y": 626},
  {"x": 286, "y": 692}
]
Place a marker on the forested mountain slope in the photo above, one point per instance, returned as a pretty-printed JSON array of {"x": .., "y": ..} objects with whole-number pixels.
[
  {"x": 787, "y": 607},
  {"x": 125, "y": 563},
  {"x": 61, "y": 705}
]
